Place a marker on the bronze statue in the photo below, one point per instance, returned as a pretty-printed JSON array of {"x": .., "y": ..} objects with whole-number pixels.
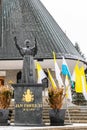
[{"x": 27, "y": 52}]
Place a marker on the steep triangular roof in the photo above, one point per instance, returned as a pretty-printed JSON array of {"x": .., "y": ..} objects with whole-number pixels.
[{"x": 29, "y": 19}]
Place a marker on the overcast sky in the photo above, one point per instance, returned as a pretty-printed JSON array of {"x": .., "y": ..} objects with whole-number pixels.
[{"x": 71, "y": 15}]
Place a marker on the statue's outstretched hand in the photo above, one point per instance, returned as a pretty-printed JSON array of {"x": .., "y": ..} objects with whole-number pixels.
[
  {"x": 35, "y": 43},
  {"x": 35, "y": 50},
  {"x": 15, "y": 39}
]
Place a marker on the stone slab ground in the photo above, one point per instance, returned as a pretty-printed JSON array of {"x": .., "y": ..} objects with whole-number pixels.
[{"x": 77, "y": 126}]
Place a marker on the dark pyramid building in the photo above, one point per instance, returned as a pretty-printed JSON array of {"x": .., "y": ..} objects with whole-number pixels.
[{"x": 29, "y": 19}]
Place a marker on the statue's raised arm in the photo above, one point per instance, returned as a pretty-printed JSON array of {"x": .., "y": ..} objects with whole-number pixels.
[
  {"x": 18, "y": 47},
  {"x": 34, "y": 48},
  {"x": 15, "y": 39}
]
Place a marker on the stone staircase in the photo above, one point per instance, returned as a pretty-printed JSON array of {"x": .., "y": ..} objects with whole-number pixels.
[{"x": 74, "y": 114}]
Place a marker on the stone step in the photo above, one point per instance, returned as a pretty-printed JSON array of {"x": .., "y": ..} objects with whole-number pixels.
[
  {"x": 75, "y": 121},
  {"x": 65, "y": 127},
  {"x": 77, "y": 111},
  {"x": 77, "y": 116}
]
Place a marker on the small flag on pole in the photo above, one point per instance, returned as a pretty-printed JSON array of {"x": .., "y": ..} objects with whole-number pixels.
[
  {"x": 51, "y": 80},
  {"x": 65, "y": 69},
  {"x": 78, "y": 80},
  {"x": 41, "y": 74},
  {"x": 73, "y": 76},
  {"x": 83, "y": 78},
  {"x": 68, "y": 89},
  {"x": 57, "y": 72}
]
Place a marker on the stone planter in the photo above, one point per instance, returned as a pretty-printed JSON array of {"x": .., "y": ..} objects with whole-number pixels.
[
  {"x": 57, "y": 117},
  {"x": 4, "y": 115}
]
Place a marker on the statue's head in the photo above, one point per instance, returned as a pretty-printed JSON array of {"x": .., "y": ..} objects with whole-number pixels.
[{"x": 27, "y": 43}]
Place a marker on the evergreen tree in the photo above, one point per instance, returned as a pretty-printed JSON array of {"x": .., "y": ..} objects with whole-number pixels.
[
  {"x": 78, "y": 98},
  {"x": 79, "y": 50}
]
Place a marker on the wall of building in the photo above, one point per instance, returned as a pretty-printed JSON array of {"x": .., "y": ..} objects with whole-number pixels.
[
  {"x": 11, "y": 76},
  {"x": 0, "y": 25}
]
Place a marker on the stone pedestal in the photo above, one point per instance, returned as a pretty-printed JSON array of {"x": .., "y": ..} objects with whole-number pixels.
[{"x": 28, "y": 104}]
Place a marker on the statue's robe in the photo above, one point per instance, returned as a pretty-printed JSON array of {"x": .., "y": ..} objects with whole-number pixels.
[{"x": 28, "y": 71}]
